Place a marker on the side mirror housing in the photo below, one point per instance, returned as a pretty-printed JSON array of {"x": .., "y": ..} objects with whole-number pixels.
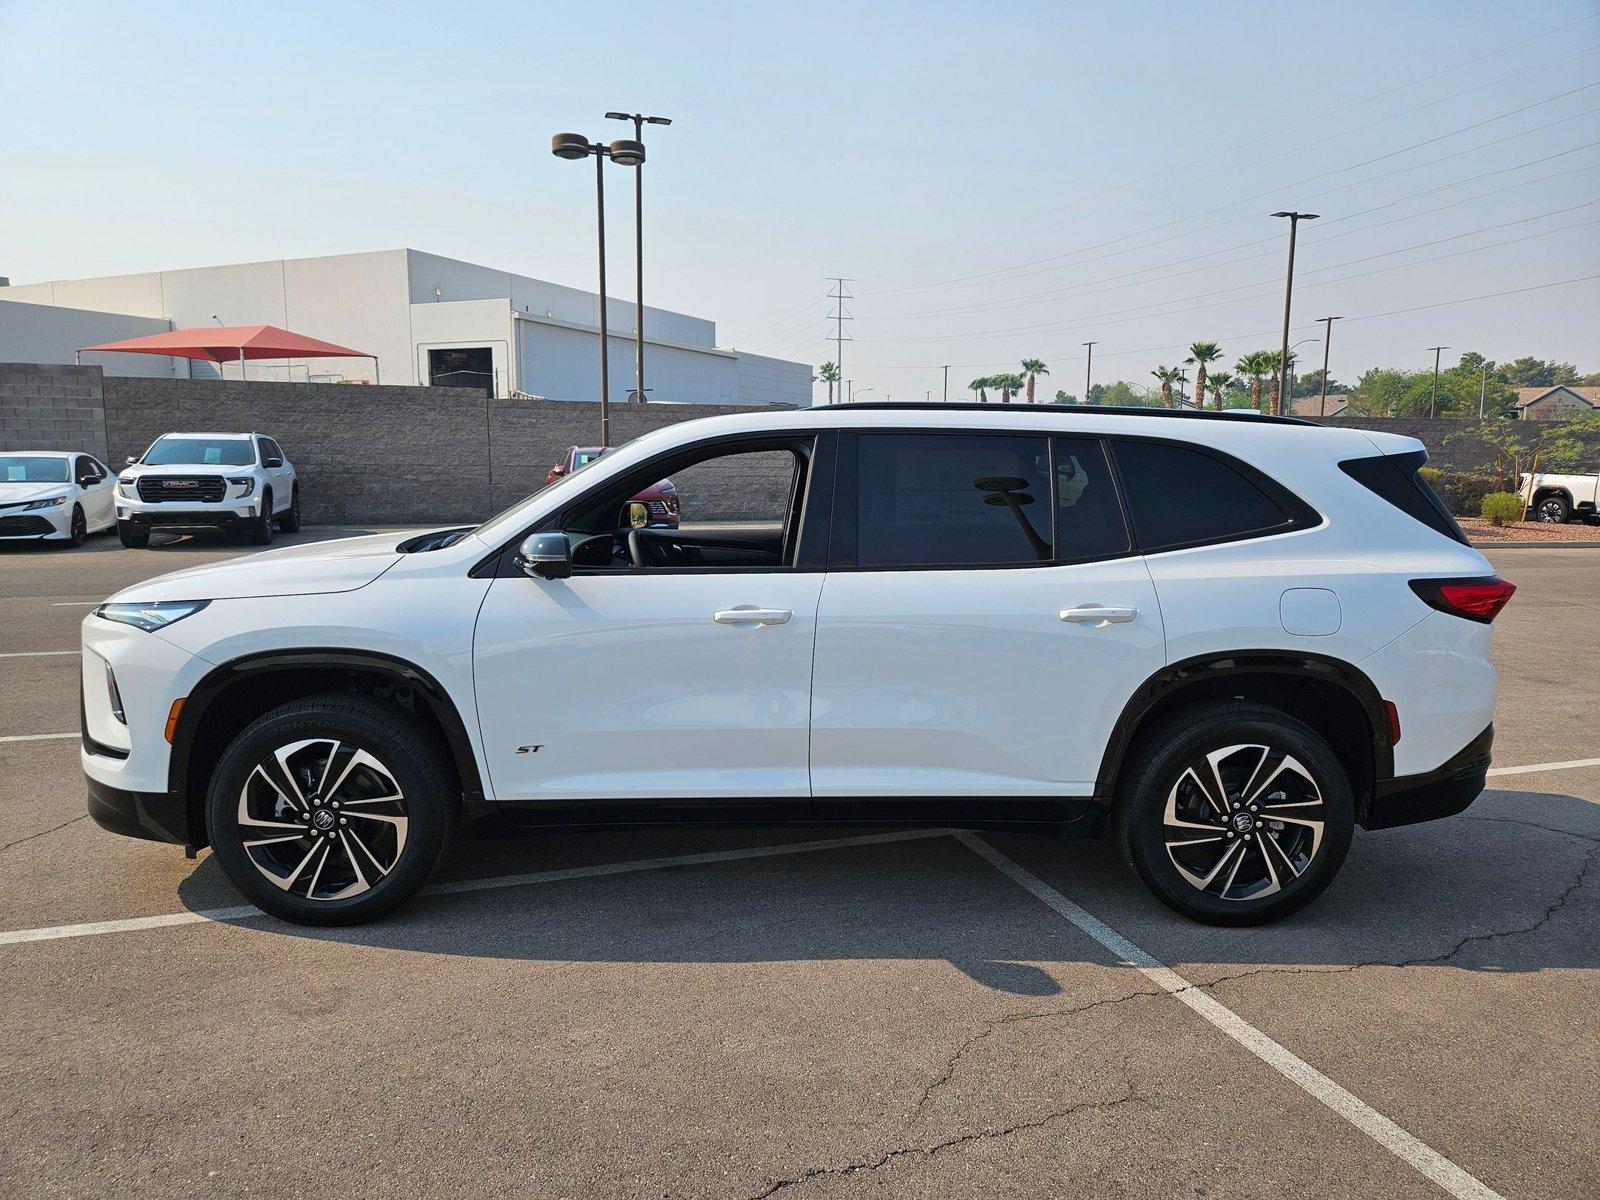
[
  {"x": 272, "y": 464},
  {"x": 133, "y": 460},
  {"x": 545, "y": 556}
]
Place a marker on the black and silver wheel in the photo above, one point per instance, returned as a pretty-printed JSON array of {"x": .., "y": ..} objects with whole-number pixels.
[
  {"x": 79, "y": 529},
  {"x": 134, "y": 537},
  {"x": 1553, "y": 510},
  {"x": 261, "y": 527},
  {"x": 1235, "y": 814},
  {"x": 289, "y": 521},
  {"x": 332, "y": 810}
]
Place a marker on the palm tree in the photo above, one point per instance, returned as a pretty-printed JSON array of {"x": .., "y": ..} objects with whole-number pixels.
[
  {"x": 1256, "y": 365},
  {"x": 1274, "y": 359},
  {"x": 1219, "y": 382},
  {"x": 1009, "y": 383},
  {"x": 1031, "y": 369},
  {"x": 1168, "y": 376},
  {"x": 1200, "y": 354},
  {"x": 829, "y": 374},
  {"x": 981, "y": 385}
]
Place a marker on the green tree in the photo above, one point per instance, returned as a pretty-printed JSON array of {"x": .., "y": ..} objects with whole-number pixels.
[
  {"x": 1065, "y": 397},
  {"x": 1536, "y": 372},
  {"x": 1167, "y": 377},
  {"x": 1031, "y": 369},
  {"x": 1201, "y": 354},
  {"x": 1256, "y": 365},
  {"x": 1218, "y": 383},
  {"x": 1524, "y": 447},
  {"x": 1009, "y": 383},
  {"x": 981, "y": 385},
  {"x": 829, "y": 374}
]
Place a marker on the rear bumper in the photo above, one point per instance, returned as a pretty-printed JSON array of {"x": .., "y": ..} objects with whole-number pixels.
[
  {"x": 1444, "y": 792},
  {"x": 154, "y": 816}
]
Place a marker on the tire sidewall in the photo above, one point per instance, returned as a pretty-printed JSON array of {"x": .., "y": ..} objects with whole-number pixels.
[
  {"x": 1185, "y": 741},
  {"x": 404, "y": 748},
  {"x": 261, "y": 527},
  {"x": 79, "y": 529}
]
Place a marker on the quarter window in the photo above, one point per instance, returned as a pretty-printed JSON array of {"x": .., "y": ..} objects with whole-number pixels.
[
  {"x": 944, "y": 500},
  {"x": 1178, "y": 496}
]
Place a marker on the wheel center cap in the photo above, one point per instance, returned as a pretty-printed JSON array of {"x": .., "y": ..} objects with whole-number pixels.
[
  {"x": 1243, "y": 822},
  {"x": 323, "y": 819}
]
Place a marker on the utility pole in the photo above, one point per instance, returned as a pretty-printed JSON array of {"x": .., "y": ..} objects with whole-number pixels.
[
  {"x": 1433, "y": 398},
  {"x": 838, "y": 316},
  {"x": 1327, "y": 343},
  {"x": 1088, "y": 370},
  {"x": 1288, "y": 294},
  {"x": 1483, "y": 388},
  {"x": 1183, "y": 381},
  {"x": 947, "y": 383}
]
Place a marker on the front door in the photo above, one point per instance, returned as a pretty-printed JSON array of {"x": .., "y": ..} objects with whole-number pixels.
[
  {"x": 986, "y": 624},
  {"x": 99, "y": 491}
]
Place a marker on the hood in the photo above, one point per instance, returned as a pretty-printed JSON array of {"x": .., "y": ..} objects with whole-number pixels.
[
  {"x": 139, "y": 469},
  {"x": 337, "y": 566},
  {"x": 18, "y": 493}
]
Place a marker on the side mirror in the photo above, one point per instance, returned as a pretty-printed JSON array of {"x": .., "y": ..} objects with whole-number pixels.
[
  {"x": 133, "y": 460},
  {"x": 559, "y": 469},
  {"x": 272, "y": 464},
  {"x": 545, "y": 556}
]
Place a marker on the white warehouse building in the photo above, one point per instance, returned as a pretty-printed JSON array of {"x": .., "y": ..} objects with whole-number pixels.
[{"x": 427, "y": 319}]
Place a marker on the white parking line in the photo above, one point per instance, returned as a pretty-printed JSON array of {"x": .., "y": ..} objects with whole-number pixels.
[
  {"x": 39, "y": 653},
  {"x": 52, "y": 933},
  {"x": 38, "y": 737},
  {"x": 1299, "y": 1072},
  {"x": 74, "y": 603},
  {"x": 1553, "y": 766}
]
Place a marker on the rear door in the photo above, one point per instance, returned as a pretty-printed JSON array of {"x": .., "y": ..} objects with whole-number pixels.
[{"x": 984, "y": 621}]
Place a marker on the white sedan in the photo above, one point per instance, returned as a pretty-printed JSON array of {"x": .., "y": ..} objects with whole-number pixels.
[{"x": 48, "y": 495}]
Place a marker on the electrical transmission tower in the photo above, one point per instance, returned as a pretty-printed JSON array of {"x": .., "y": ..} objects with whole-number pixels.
[{"x": 839, "y": 294}]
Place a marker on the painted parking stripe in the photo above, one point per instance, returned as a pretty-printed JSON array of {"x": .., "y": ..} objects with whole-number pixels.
[
  {"x": 52, "y": 933},
  {"x": 40, "y": 653},
  {"x": 1299, "y": 1072},
  {"x": 38, "y": 737},
  {"x": 1550, "y": 766},
  {"x": 74, "y": 603}
]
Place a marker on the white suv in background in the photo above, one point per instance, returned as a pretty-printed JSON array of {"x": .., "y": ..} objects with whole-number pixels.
[
  {"x": 48, "y": 495},
  {"x": 208, "y": 481},
  {"x": 1226, "y": 640}
]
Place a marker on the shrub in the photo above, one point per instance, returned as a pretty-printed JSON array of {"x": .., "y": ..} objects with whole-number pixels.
[
  {"x": 1501, "y": 508},
  {"x": 1430, "y": 476},
  {"x": 1464, "y": 490}
]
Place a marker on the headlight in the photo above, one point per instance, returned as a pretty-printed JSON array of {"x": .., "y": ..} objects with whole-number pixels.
[
  {"x": 125, "y": 488},
  {"x": 53, "y": 502},
  {"x": 150, "y": 617},
  {"x": 247, "y": 483}
]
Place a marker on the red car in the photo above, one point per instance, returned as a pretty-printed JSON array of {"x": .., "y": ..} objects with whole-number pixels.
[{"x": 660, "y": 499}]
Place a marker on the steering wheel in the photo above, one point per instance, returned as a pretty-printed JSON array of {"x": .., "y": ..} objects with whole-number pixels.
[{"x": 638, "y": 549}]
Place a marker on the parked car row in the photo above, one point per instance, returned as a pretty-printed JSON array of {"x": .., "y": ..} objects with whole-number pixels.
[{"x": 184, "y": 481}]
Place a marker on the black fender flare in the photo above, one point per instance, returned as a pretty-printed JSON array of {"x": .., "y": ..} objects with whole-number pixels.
[{"x": 1219, "y": 666}]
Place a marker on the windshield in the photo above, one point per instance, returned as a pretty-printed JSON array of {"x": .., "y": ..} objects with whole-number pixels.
[
  {"x": 17, "y": 468},
  {"x": 200, "y": 451},
  {"x": 582, "y": 458}
]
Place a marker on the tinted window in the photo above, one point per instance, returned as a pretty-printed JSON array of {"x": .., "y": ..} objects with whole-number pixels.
[
  {"x": 1088, "y": 515},
  {"x": 190, "y": 451},
  {"x": 273, "y": 449},
  {"x": 952, "y": 500},
  {"x": 1395, "y": 479},
  {"x": 1178, "y": 496},
  {"x": 23, "y": 468}
]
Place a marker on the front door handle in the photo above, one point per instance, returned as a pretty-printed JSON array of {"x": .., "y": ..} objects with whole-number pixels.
[
  {"x": 1099, "y": 614},
  {"x": 746, "y": 614}
]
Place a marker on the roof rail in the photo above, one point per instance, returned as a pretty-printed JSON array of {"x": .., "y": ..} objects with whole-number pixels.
[{"x": 1182, "y": 414}]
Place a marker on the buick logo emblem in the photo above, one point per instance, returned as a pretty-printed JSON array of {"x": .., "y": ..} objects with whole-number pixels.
[
  {"x": 322, "y": 819},
  {"x": 1243, "y": 822}
]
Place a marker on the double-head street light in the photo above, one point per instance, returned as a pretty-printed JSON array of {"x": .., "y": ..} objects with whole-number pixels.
[
  {"x": 1288, "y": 293},
  {"x": 639, "y": 122},
  {"x": 624, "y": 153},
  {"x": 1433, "y": 396},
  {"x": 1288, "y": 403}
]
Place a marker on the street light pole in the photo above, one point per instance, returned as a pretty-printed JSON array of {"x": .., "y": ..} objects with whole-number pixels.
[
  {"x": 1433, "y": 397},
  {"x": 639, "y": 122},
  {"x": 1327, "y": 344},
  {"x": 1088, "y": 370},
  {"x": 1483, "y": 388},
  {"x": 947, "y": 383},
  {"x": 1288, "y": 294}
]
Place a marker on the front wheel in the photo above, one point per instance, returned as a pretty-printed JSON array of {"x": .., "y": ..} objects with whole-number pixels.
[
  {"x": 330, "y": 810},
  {"x": 1553, "y": 510},
  {"x": 134, "y": 537},
  {"x": 1235, "y": 813},
  {"x": 289, "y": 522},
  {"x": 79, "y": 529},
  {"x": 261, "y": 527}
]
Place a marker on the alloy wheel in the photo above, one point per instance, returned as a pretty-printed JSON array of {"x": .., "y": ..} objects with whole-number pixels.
[
  {"x": 1244, "y": 822},
  {"x": 322, "y": 819},
  {"x": 1552, "y": 512}
]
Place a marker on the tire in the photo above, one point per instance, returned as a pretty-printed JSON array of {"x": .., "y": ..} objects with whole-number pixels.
[
  {"x": 375, "y": 749},
  {"x": 1553, "y": 510},
  {"x": 79, "y": 528},
  {"x": 1162, "y": 805},
  {"x": 289, "y": 522},
  {"x": 261, "y": 527},
  {"x": 134, "y": 537}
]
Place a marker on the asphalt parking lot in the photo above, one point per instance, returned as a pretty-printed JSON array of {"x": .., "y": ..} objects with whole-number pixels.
[{"x": 805, "y": 1013}]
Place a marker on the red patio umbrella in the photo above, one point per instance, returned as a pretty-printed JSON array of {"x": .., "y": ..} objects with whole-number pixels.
[{"x": 233, "y": 343}]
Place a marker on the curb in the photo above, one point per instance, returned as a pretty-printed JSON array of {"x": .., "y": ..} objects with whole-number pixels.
[{"x": 1536, "y": 545}]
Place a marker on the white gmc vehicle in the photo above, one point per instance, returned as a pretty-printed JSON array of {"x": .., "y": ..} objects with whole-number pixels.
[
  {"x": 1227, "y": 640},
  {"x": 1556, "y": 499},
  {"x": 208, "y": 481}
]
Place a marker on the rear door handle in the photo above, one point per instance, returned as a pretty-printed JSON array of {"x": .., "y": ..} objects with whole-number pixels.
[
  {"x": 746, "y": 614},
  {"x": 1099, "y": 614}
]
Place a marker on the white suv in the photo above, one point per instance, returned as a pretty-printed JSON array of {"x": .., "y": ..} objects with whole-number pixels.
[
  {"x": 208, "y": 481},
  {"x": 1228, "y": 641}
]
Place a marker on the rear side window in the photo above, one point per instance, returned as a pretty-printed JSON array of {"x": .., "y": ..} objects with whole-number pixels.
[
  {"x": 1089, "y": 520},
  {"x": 947, "y": 500},
  {"x": 1179, "y": 496},
  {"x": 1394, "y": 478}
]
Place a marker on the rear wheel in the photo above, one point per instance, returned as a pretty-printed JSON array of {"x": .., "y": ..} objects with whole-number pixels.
[
  {"x": 1553, "y": 510},
  {"x": 261, "y": 527},
  {"x": 331, "y": 810},
  {"x": 134, "y": 537},
  {"x": 1235, "y": 814}
]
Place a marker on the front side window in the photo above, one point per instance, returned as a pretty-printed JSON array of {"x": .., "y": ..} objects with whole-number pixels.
[
  {"x": 952, "y": 500},
  {"x": 27, "y": 468},
  {"x": 1181, "y": 496},
  {"x": 200, "y": 452}
]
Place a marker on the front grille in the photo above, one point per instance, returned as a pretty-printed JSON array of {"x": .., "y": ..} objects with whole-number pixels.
[
  {"x": 192, "y": 489},
  {"x": 23, "y": 526},
  {"x": 658, "y": 508}
]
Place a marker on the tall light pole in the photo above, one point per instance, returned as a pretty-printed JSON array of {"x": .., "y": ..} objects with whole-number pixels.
[
  {"x": 639, "y": 122},
  {"x": 1433, "y": 397},
  {"x": 1289, "y": 403},
  {"x": 1483, "y": 387},
  {"x": 1327, "y": 344},
  {"x": 626, "y": 153},
  {"x": 1088, "y": 370},
  {"x": 947, "y": 383},
  {"x": 1288, "y": 294}
]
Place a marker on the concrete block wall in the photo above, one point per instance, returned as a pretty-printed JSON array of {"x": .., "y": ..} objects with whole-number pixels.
[
  {"x": 1450, "y": 442},
  {"x": 47, "y": 406}
]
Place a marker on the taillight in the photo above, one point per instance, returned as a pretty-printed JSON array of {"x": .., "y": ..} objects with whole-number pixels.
[{"x": 1475, "y": 599}]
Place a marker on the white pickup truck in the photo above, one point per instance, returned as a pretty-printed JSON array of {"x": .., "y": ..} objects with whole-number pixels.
[{"x": 1559, "y": 498}]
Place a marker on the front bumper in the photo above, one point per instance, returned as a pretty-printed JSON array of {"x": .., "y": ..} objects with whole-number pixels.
[
  {"x": 1444, "y": 792},
  {"x": 17, "y": 524},
  {"x": 174, "y": 516},
  {"x": 154, "y": 816}
]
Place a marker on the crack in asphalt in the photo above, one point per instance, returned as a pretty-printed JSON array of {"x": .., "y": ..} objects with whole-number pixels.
[
  {"x": 1131, "y": 1096},
  {"x": 45, "y": 832},
  {"x": 1585, "y": 837}
]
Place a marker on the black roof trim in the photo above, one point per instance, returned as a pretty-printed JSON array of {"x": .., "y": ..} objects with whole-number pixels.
[{"x": 1114, "y": 410}]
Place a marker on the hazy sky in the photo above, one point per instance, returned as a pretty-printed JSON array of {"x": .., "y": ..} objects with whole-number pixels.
[{"x": 1000, "y": 180}]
